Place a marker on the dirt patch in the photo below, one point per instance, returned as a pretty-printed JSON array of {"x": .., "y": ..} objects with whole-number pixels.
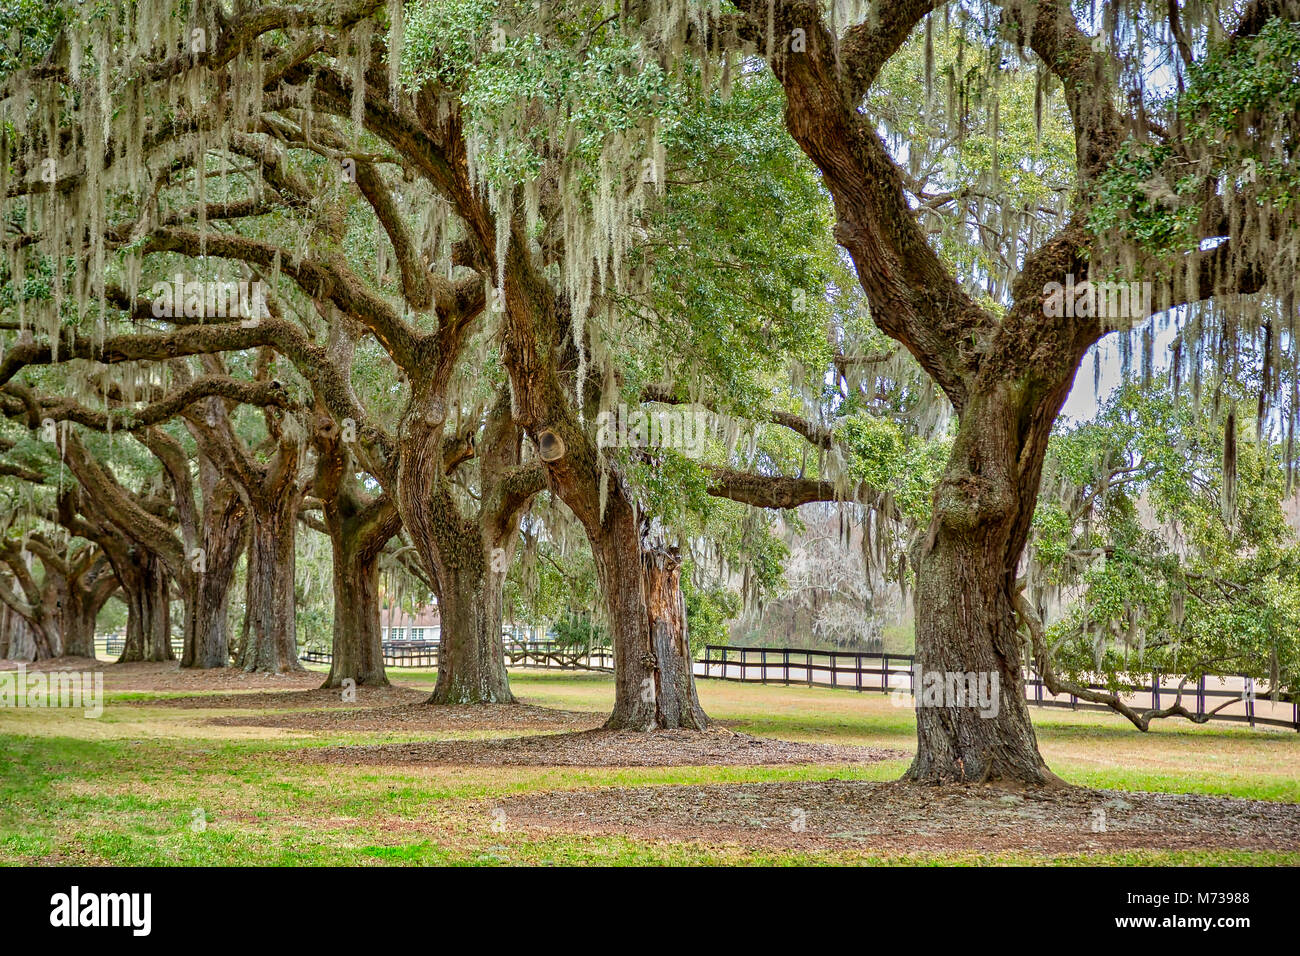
[
  {"x": 419, "y": 716},
  {"x": 900, "y": 818},
  {"x": 167, "y": 676},
  {"x": 605, "y": 748},
  {"x": 55, "y": 664},
  {"x": 315, "y": 697}
]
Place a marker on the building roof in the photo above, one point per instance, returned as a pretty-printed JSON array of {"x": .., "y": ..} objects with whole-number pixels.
[{"x": 423, "y": 617}]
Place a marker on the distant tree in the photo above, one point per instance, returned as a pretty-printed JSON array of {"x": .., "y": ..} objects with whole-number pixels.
[{"x": 1164, "y": 539}]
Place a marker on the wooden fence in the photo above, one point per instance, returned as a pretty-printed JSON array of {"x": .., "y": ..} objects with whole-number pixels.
[
  {"x": 112, "y": 645},
  {"x": 850, "y": 670},
  {"x": 887, "y": 673},
  {"x": 544, "y": 654}
]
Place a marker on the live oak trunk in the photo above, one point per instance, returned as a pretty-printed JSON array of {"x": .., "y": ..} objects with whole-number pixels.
[
  {"x": 148, "y": 619},
  {"x": 456, "y": 551},
  {"x": 1006, "y": 374},
  {"x": 22, "y": 645},
  {"x": 654, "y": 682},
  {"x": 358, "y": 652},
  {"x": 654, "y": 679},
  {"x": 966, "y": 626},
  {"x": 271, "y": 644},
  {"x": 80, "y": 608},
  {"x": 359, "y": 526},
  {"x": 44, "y": 625},
  {"x": 207, "y": 637},
  {"x": 16, "y": 643},
  {"x": 471, "y": 658}
]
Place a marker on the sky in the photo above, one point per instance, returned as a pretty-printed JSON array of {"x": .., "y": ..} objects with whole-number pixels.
[{"x": 1084, "y": 400}]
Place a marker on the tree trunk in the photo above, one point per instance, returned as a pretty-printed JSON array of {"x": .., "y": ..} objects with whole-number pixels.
[
  {"x": 44, "y": 629},
  {"x": 359, "y": 526},
  {"x": 17, "y": 644},
  {"x": 78, "y": 624},
  {"x": 358, "y": 640},
  {"x": 966, "y": 634},
  {"x": 148, "y": 618},
  {"x": 22, "y": 645},
  {"x": 207, "y": 637},
  {"x": 456, "y": 552},
  {"x": 679, "y": 706},
  {"x": 964, "y": 626},
  {"x": 471, "y": 659},
  {"x": 654, "y": 676},
  {"x": 272, "y": 642}
]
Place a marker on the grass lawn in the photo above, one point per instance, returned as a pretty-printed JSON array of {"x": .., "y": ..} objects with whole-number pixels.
[{"x": 156, "y": 785}]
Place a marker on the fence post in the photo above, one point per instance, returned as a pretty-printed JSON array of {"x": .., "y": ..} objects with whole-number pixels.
[
  {"x": 808, "y": 667},
  {"x": 884, "y": 673},
  {"x": 834, "y": 667},
  {"x": 785, "y": 664},
  {"x": 762, "y": 658},
  {"x": 1155, "y": 691}
]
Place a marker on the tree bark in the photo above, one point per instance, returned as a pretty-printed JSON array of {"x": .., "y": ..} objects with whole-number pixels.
[
  {"x": 83, "y": 593},
  {"x": 471, "y": 659},
  {"x": 359, "y": 527},
  {"x": 358, "y": 640},
  {"x": 78, "y": 622},
  {"x": 148, "y": 618},
  {"x": 22, "y": 647},
  {"x": 654, "y": 675},
  {"x": 965, "y": 590},
  {"x": 457, "y": 551},
  {"x": 16, "y": 642},
  {"x": 272, "y": 642},
  {"x": 207, "y": 637}
]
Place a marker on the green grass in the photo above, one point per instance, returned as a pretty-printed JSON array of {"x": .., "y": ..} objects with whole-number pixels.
[{"x": 128, "y": 789}]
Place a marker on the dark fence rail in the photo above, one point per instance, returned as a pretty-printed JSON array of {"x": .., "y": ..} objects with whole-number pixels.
[
  {"x": 111, "y": 645},
  {"x": 888, "y": 673},
  {"x": 850, "y": 670},
  {"x": 544, "y": 654}
]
